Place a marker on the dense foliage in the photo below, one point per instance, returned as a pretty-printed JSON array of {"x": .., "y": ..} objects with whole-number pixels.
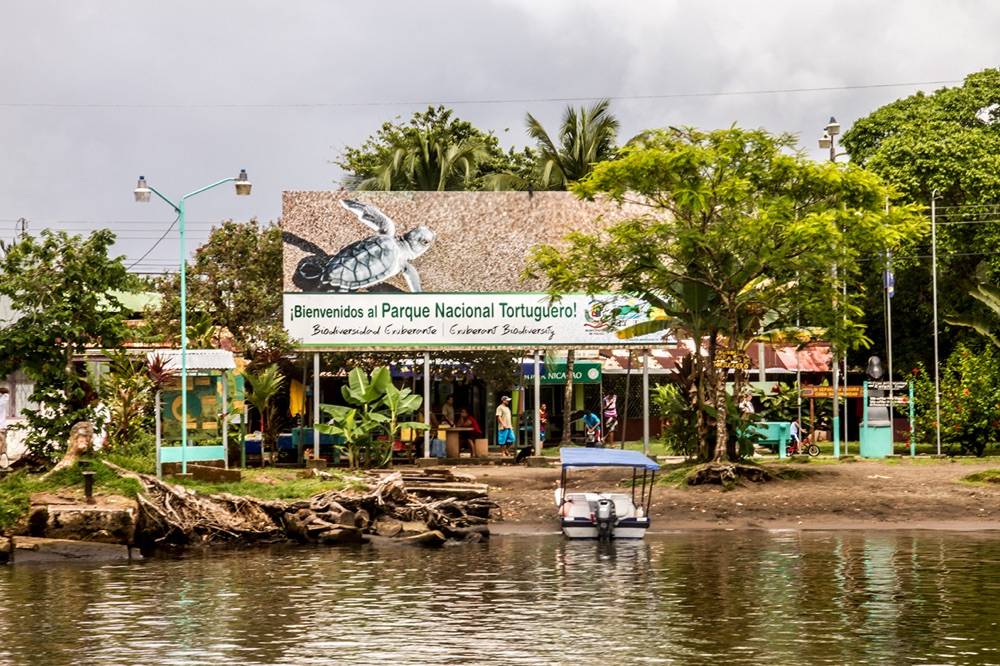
[
  {"x": 434, "y": 150},
  {"x": 63, "y": 288},
  {"x": 970, "y": 400},
  {"x": 946, "y": 143},
  {"x": 371, "y": 419},
  {"x": 737, "y": 237},
  {"x": 234, "y": 289}
]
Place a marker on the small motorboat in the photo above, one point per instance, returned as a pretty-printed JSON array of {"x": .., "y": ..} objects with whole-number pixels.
[{"x": 606, "y": 515}]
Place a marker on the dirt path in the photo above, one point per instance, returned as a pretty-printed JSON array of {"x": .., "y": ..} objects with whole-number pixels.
[{"x": 925, "y": 494}]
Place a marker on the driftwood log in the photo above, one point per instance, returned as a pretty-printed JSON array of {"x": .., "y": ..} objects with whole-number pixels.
[{"x": 171, "y": 514}]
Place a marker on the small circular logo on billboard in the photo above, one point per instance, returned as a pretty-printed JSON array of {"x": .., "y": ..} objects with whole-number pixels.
[{"x": 593, "y": 373}]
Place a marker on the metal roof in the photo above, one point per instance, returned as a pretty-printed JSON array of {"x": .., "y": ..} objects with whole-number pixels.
[
  {"x": 778, "y": 358},
  {"x": 197, "y": 359}
]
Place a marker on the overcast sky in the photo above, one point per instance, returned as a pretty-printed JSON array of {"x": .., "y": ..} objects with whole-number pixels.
[{"x": 94, "y": 93}]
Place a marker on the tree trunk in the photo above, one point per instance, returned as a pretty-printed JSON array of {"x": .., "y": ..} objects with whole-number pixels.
[
  {"x": 721, "y": 431},
  {"x": 706, "y": 392},
  {"x": 568, "y": 397},
  {"x": 81, "y": 441},
  {"x": 741, "y": 384}
]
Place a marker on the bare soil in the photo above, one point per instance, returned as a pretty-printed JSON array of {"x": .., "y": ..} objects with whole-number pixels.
[{"x": 899, "y": 493}]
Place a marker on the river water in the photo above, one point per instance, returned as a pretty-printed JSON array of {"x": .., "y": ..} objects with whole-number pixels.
[{"x": 711, "y": 597}]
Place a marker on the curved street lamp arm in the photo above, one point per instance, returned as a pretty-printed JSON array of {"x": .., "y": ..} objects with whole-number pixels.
[
  {"x": 169, "y": 202},
  {"x": 207, "y": 187}
]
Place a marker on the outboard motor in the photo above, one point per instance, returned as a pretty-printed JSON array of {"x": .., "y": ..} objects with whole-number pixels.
[{"x": 605, "y": 518}]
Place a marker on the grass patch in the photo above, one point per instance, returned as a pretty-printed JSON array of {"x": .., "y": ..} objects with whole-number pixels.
[
  {"x": 275, "y": 484},
  {"x": 794, "y": 473},
  {"x": 676, "y": 475},
  {"x": 17, "y": 488},
  {"x": 986, "y": 476}
]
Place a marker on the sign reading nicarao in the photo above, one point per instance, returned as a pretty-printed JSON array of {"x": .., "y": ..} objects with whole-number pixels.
[{"x": 455, "y": 319}]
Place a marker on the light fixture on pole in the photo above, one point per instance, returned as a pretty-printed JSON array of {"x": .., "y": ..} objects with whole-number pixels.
[
  {"x": 142, "y": 195},
  {"x": 828, "y": 141},
  {"x": 142, "y": 191}
]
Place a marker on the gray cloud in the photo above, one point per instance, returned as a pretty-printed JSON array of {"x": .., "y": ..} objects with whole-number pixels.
[{"x": 79, "y": 164}]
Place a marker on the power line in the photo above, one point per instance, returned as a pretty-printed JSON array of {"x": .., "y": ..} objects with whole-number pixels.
[
  {"x": 456, "y": 102},
  {"x": 153, "y": 247}
]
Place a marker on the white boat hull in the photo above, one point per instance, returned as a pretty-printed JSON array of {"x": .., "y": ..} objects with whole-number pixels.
[{"x": 635, "y": 529}]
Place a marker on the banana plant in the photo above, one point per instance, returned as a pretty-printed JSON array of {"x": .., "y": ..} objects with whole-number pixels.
[
  {"x": 399, "y": 403},
  {"x": 374, "y": 406}
]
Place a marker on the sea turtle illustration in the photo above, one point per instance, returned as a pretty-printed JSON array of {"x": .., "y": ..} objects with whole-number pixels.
[{"x": 370, "y": 261}]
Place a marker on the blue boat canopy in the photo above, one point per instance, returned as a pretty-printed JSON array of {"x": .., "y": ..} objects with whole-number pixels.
[{"x": 587, "y": 457}]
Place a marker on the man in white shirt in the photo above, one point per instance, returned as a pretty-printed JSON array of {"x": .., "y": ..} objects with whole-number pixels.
[{"x": 505, "y": 428}]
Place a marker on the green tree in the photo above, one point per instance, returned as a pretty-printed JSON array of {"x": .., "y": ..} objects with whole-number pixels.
[
  {"x": 738, "y": 236},
  {"x": 235, "y": 288},
  {"x": 432, "y": 151},
  {"x": 62, "y": 288},
  {"x": 947, "y": 142}
]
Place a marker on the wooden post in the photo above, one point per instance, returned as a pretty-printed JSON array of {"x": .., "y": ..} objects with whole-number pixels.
[{"x": 812, "y": 418}]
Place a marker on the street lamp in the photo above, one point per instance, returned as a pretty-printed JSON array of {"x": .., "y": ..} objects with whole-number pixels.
[
  {"x": 829, "y": 141},
  {"x": 142, "y": 195}
]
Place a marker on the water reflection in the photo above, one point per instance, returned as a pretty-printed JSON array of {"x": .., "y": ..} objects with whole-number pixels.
[{"x": 696, "y": 597}]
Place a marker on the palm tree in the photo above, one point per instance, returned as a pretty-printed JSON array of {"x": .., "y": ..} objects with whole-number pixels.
[
  {"x": 586, "y": 136},
  {"x": 986, "y": 325},
  {"x": 424, "y": 161},
  {"x": 264, "y": 386}
]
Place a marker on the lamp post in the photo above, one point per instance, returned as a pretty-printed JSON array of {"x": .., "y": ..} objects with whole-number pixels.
[
  {"x": 142, "y": 195},
  {"x": 829, "y": 140}
]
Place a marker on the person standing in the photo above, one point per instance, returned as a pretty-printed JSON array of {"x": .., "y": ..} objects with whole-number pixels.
[
  {"x": 610, "y": 417},
  {"x": 543, "y": 421},
  {"x": 448, "y": 410},
  {"x": 505, "y": 427}
]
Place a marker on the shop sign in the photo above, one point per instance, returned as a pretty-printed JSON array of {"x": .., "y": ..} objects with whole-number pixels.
[
  {"x": 827, "y": 392},
  {"x": 584, "y": 372}
]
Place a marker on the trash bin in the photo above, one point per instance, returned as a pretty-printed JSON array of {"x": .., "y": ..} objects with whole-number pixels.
[{"x": 876, "y": 433}]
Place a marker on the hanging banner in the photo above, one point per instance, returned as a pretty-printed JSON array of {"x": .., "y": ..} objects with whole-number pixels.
[{"x": 429, "y": 320}]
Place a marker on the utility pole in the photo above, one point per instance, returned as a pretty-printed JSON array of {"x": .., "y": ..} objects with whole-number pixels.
[
  {"x": 937, "y": 378},
  {"x": 22, "y": 226}
]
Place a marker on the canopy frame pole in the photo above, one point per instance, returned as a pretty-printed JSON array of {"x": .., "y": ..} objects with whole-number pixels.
[
  {"x": 427, "y": 404},
  {"x": 316, "y": 406},
  {"x": 645, "y": 402},
  {"x": 225, "y": 419},
  {"x": 159, "y": 435},
  {"x": 624, "y": 417},
  {"x": 633, "y": 487},
  {"x": 538, "y": 407}
]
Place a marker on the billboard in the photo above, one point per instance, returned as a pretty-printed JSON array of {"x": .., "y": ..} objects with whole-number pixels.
[{"x": 423, "y": 270}]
